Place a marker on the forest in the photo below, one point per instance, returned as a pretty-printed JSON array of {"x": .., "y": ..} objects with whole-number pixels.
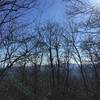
[{"x": 50, "y": 60}]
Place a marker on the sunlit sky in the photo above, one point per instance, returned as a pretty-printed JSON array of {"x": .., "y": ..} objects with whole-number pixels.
[{"x": 97, "y": 1}]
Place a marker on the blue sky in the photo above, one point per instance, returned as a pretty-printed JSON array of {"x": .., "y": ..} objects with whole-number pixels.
[
  {"x": 49, "y": 10},
  {"x": 45, "y": 10}
]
